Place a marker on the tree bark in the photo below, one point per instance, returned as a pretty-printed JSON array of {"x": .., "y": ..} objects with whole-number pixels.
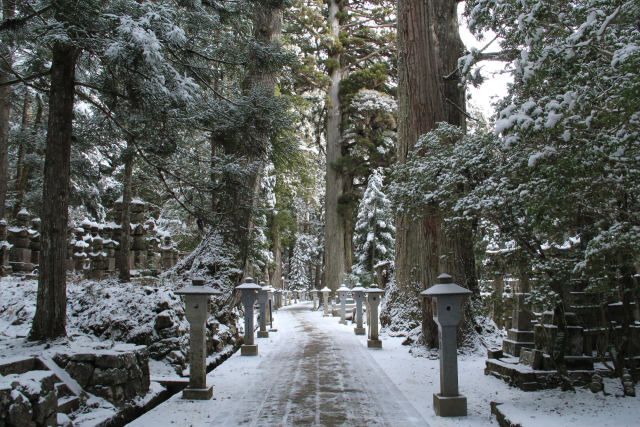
[
  {"x": 276, "y": 277},
  {"x": 124, "y": 264},
  {"x": 23, "y": 173},
  {"x": 8, "y": 11},
  {"x": 334, "y": 252},
  {"x": 429, "y": 46},
  {"x": 50, "y": 318}
]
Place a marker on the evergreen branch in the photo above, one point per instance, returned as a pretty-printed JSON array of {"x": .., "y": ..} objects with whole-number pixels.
[
  {"x": 461, "y": 110},
  {"x": 24, "y": 80},
  {"x": 105, "y": 111},
  {"x": 14, "y": 24}
]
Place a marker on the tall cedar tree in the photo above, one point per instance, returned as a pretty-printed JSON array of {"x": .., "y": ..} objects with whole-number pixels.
[{"x": 428, "y": 49}]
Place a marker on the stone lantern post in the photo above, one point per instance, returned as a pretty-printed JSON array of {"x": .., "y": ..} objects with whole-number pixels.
[
  {"x": 196, "y": 305},
  {"x": 325, "y": 298},
  {"x": 269, "y": 305},
  {"x": 358, "y": 295},
  {"x": 278, "y": 298},
  {"x": 314, "y": 295},
  {"x": 263, "y": 299},
  {"x": 373, "y": 301},
  {"x": 249, "y": 290},
  {"x": 446, "y": 300},
  {"x": 343, "y": 290}
]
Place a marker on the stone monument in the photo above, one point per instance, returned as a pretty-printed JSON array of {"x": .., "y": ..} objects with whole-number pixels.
[
  {"x": 358, "y": 295},
  {"x": 373, "y": 301},
  {"x": 263, "y": 298},
  {"x": 325, "y": 298},
  {"x": 342, "y": 291},
  {"x": 196, "y": 307},
  {"x": 446, "y": 299},
  {"x": 249, "y": 291}
]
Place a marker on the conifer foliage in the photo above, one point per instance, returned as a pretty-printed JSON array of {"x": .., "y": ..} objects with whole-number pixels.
[{"x": 374, "y": 233}]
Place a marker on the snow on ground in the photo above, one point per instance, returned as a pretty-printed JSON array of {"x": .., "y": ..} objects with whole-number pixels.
[{"x": 313, "y": 371}]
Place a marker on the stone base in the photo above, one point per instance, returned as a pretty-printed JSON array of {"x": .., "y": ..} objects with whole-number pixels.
[
  {"x": 512, "y": 347},
  {"x": 249, "y": 350},
  {"x": 343, "y": 322},
  {"x": 198, "y": 393},
  {"x": 273, "y": 330},
  {"x": 326, "y": 315},
  {"x": 263, "y": 334},
  {"x": 374, "y": 343},
  {"x": 360, "y": 331},
  {"x": 449, "y": 406}
]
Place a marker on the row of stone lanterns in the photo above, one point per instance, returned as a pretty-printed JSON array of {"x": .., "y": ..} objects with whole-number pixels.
[
  {"x": 373, "y": 296},
  {"x": 196, "y": 307}
]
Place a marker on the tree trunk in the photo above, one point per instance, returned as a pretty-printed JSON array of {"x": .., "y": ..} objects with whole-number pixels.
[
  {"x": 429, "y": 46},
  {"x": 23, "y": 173},
  {"x": 50, "y": 318},
  {"x": 124, "y": 264},
  {"x": 334, "y": 230},
  {"x": 276, "y": 277},
  {"x": 240, "y": 208},
  {"x": 8, "y": 9}
]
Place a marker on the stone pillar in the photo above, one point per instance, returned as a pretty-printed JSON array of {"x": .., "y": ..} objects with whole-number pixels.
[
  {"x": 248, "y": 291},
  {"x": 358, "y": 295},
  {"x": 166, "y": 252},
  {"x": 325, "y": 298},
  {"x": 5, "y": 248},
  {"x": 447, "y": 298},
  {"x": 20, "y": 239},
  {"x": 314, "y": 293},
  {"x": 196, "y": 310},
  {"x": 34, "y": 244},
  {"x": 110, "y": 248},
  {"x": 342, "y": 291},
  {"x": 520, "y": 335},
  {"x": 263, "y": 298},
  {"x": 373, "y": 299},
  {"x": 98, "y": 259},
  {"x": 139, "y": 246}
]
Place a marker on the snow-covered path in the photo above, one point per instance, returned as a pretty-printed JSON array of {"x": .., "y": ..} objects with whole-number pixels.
[{"x": 304, "y": 375}]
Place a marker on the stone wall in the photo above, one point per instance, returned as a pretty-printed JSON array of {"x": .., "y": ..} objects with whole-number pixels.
[
  {"x": 28, "y": 399},
  {"x": 115, "y": 375}
]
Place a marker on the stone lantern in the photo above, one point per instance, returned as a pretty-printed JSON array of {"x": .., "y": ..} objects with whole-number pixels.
[
  {"x": 446, "y": 299},
  {"x": 314, "y": 294},
  {"x": 343, "y": 290},
  {"x": 196, "y": 305},
  {"x": 358, "y": 295},
  {"x": 325, "y": 298},
  {"x": 373, "y": 301},
  {"x": 263, "y": 299},
  {"x": 249, "y": 291}
]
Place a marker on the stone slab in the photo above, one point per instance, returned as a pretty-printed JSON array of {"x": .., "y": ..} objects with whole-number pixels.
[
  {"x": 374, "y": 343},
  {"x": 360, "y": 331},
  {"x": 198, "y": 393},
  {"x": 449, "y": 406},
  {"x": 263, "y": 334},
  {"x": 249, "y": 350}
]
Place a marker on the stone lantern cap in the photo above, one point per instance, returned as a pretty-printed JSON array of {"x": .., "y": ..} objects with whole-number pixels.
[
  {"x": 325, "y": 289},
  {"x": 248, "y": 283},
  {"x": 374, "y": 290},
  {"x": 358, "y": 289},
  {"x": 343, "y": 288},
  {"x": 197, "y": 288},
  {"x": 445, "y": 287}
]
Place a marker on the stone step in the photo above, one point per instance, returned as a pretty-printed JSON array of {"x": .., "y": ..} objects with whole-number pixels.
[{"x": 68, "y": 404}]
